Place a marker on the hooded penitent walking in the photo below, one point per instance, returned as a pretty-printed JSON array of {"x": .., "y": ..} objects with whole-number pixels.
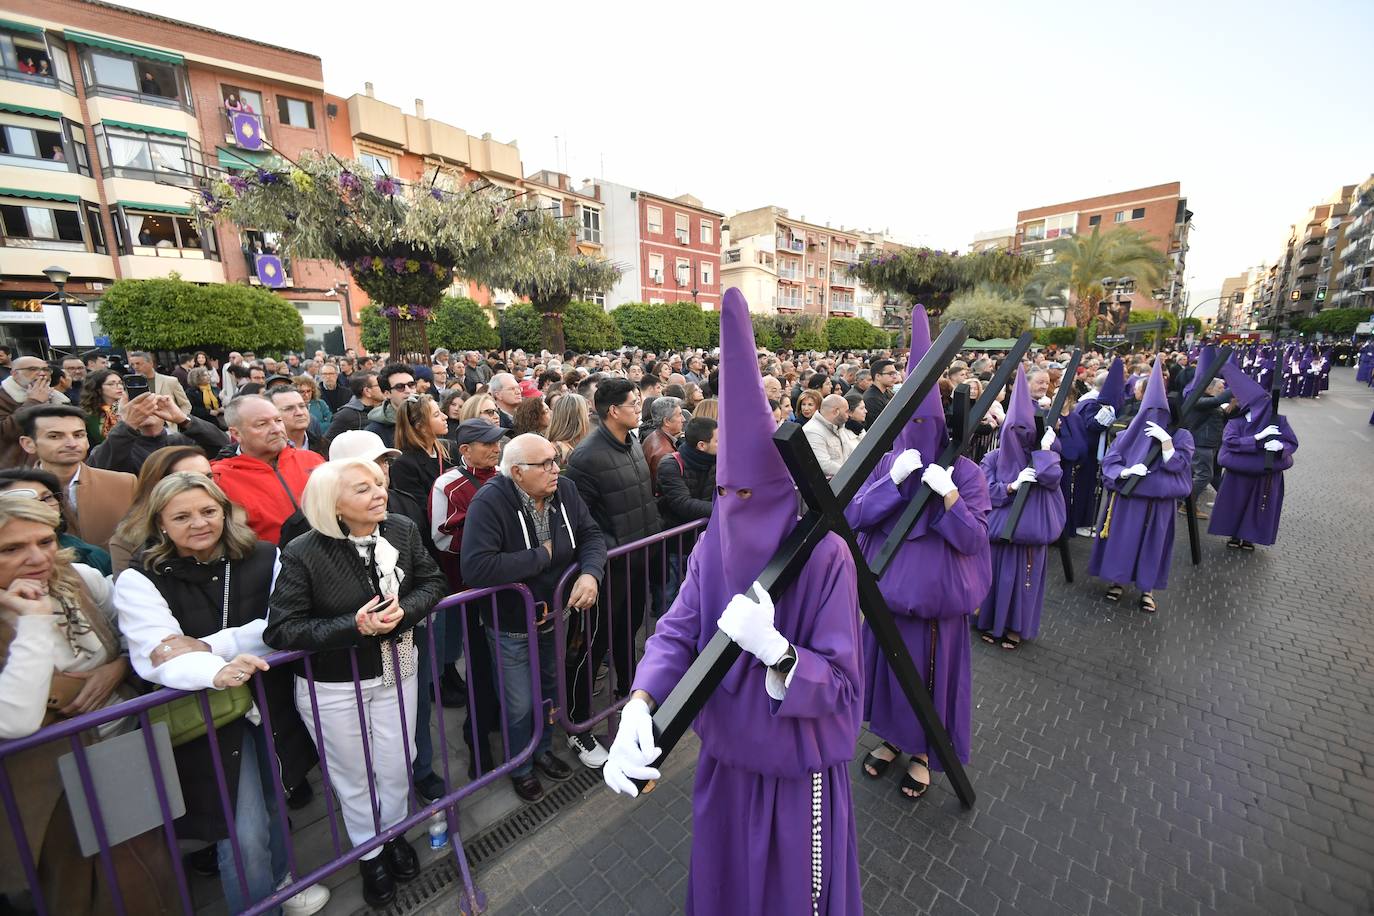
[
  {"x": 1136, "y": 541},
  {"x": 1086, "y": 426},
  {"x": 934, "y": 582},
  {"x": 1011, "y": 610},
  {"x": 1250, "y": 500},
  {"x": 772, "y": 826}
]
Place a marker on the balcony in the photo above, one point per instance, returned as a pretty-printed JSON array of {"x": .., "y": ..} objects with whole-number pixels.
[
  {"x": 841, "y": 279},
  {"x": 245, "y": 129},
  {"x": 791, "y": 274},
  {"x": 257, "y": 272},
  {"x": 788, "y": 302},
  {"x": 731, "y": 256},
  {"x": 785, "y": 244}
]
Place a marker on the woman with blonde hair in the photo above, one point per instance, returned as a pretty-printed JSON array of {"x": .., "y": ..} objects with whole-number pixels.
[
  {"x": 351, "y": 589},
  {"x": 192, "y": 607},
  {"x": 709, "y": 408},
  {"x": 481, "y": 407},
  {"x": 126, "y": 539},
  {"x": 570, "y": 424}
]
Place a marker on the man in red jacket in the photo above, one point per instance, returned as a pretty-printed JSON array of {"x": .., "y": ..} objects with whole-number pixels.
[{"x": 267, "y": 476}]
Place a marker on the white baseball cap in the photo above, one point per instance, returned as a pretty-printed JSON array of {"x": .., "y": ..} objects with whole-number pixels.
[{"x": 359, "y": 443}]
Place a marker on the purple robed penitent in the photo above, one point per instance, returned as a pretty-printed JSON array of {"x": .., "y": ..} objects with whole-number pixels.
[
  {"x": 764, "y": 760},
  {"x": 1017, "y": 595},
  {"x": 1080, "y": 427},
  {"x": 1364, "y": 362},
  {"x": 935, "y": 580},
  {"x": 1250, "y": 501},
  {"x": 1137, "y": 538}
]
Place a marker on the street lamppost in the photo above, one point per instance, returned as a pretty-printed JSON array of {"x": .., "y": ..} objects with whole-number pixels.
[{"x": 66, "y": 334}]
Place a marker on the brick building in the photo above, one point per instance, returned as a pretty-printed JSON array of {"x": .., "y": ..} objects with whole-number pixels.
[
  {"x": 1159, "y": 211},
  {"x": 668, "y": 247},
  {"x": 112, "y": 116}
]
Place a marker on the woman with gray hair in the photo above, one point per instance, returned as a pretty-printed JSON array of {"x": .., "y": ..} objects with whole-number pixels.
[
  {"x": 205, "y": 400},
  {"x": 351, "y": 589}
]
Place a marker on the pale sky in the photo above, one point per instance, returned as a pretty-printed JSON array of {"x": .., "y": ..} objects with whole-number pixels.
[{"x": 933, "y": 121}]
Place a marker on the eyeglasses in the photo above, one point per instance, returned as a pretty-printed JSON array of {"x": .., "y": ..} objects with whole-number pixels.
[
  {"x": 550, "y": 465},
  {"x": 401, "y": 386},
  {"x": 491, "y": 411}
]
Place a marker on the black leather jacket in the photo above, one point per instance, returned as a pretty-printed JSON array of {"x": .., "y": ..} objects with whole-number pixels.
[{"x": 323, "y": 582}]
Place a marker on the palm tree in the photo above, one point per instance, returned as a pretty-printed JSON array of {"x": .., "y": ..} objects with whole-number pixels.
[{"x": 1082, "y": 262}]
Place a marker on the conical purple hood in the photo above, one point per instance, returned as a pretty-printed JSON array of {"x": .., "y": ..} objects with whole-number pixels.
[
  {"x": 925, "y": 432},
  {"x": 1132, "y": 444},
  {"x": 1204, "y": 362},
  {"x": 1017, "y": 439},
  {"x": 1113, "y": 391},
  {"x": 1250, "y": 395}
]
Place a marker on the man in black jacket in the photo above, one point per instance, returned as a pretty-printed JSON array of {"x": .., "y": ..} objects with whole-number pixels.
[
  {"x": 527, "y": 525},
  {"x": 367, "y": 394},
  {"x": 885, "y": 377},
  {"x": 613, "y": 479},
  {"x": 687, "y": 480},
  {"x": 150, "y": 422}
]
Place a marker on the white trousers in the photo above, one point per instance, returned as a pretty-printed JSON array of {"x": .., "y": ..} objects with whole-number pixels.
[{"x": 341, "y": 745}]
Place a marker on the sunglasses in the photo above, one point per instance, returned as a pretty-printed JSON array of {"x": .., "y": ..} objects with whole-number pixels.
[{"x": 401, "y": 386}]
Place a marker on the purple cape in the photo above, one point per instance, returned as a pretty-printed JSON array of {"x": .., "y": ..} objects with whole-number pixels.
[{"x": 1250, "y": 501}]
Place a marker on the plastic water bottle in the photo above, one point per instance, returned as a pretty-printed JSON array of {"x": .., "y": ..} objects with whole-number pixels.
[{"x": 438, "y": 831}]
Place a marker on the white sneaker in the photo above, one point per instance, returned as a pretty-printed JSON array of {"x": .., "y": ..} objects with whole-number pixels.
[
  {"x": 1083, "y": 532},
  {"x": 588, "y": 750},
  {"x": 309, "y": 901}
]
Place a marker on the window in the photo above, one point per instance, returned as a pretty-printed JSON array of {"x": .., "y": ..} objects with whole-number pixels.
[
  {"x": 707, "y": 233},
  {"x": 237, "y": 99},
  {"x": 684, "y": 272},
  {"x": 97, "y": 228},
  {"x": 656, "y": 268},
  {"x": 162, "y": 231},
  {"x": 1119, "y": 216},
  {"x": 24, "y": 57},
  {"x": 591, "y": 225},
  {"x": 32, "y": 142},
  {"x": 681, "y": 228},
  {"x": 1095, "y": 220},
  {"x": 810, "y": 268},
  {"x": 1138, "y": 213},
  {"x": 124, "y": 76},
  {"x": 708, "y": 274},
  {"x": 28, "y": 226},
  {"x": 148, "y": 156},
  {"x": 379, "y": 165},
  {"x": 655, "y": 220},
  {"x": 295, "y": 112}
]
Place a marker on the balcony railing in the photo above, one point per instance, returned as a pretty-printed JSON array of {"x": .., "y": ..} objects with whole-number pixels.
[
  {"x": 793, "y": 274},
  {"x": 785, "y": 244},
  {"x": 842, "y": 279},
  {"x": 789, "y": 302},
  {"x": 730, "y": 256}
]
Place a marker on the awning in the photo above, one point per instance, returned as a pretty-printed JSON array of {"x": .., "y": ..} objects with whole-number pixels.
[
  {"x": 26, "y": 110},
  {"x": 122, "y": 47},
  {"x": 156, "y": 208},
  {"x": 39, "y": 195},
  {"x": 13, "y": 26},
  {"x": 230, "y": 159},
  {"x": 143, "y": 128}
]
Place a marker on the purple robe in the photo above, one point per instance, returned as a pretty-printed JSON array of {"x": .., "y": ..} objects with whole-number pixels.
[
  {"x": 935, "y": 580},
  {"x": 1250, "y": 500},
  {"x": 751, "y": 804},
  {"x": 1080, "y": 489},
  {"x": 1137, "y": 540},
  {"x": 1364, "y": 365},
  {"x": 1017, "y": 595}
]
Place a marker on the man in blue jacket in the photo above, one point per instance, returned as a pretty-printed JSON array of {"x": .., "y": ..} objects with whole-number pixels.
[{"x": 528, "y": 525}]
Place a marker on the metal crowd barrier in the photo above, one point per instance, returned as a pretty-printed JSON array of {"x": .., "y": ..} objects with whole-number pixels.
[{"x": 71, "y": 731}]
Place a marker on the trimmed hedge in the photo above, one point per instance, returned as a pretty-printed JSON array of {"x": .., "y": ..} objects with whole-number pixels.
[{"x": 173, "y": 314}]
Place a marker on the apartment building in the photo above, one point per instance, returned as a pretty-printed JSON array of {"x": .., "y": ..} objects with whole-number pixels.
[
  {"x": 1351, "y": 283},
  {"x": 668, "y": 247},
  {"x": 1159, "y": 211},
  {"x": 1231, "y": 311},
  {"x": 1311, "y": 266},
  {"x": 110, "y": 119},
  {"x": 786, "y": 265}
]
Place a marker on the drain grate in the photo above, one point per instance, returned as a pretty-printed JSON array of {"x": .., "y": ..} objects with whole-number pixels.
[{"x": 443, "y": 876}]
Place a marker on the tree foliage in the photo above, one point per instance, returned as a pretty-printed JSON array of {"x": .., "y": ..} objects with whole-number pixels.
[
  {"x": 589, "y": 329},
  {"x": 933, "y": 277},
  {"x": 459, "y": 323},
  {"x": 989, "y": 313},
  {"x": 519, "y": 328},
  {"x": 1337, "y": 322},
  {"x": 553, "y": 279},
  {"x": 172, "y": 314},
  {"x": 662, "y": 326},
  {"x": 854, "y": 334},
  {"x": 1081, "y": 262},
  {"x": 375, "y": 332},
  {"x": 1061, "y": 337}
]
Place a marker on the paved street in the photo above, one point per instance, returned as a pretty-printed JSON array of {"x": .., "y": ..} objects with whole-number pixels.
[{"x": 1217, "y": 757}]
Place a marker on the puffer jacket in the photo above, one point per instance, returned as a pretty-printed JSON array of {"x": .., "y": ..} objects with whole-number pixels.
[
  {"x": 686, "y": 487},
  {"x": 323, "y": 582},
  {"x": 613, "y": 479},
  {"x": 382, "y": 421}
]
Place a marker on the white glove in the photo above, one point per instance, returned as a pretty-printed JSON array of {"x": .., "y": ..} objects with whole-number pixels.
[
  {"x": 1273, "y": 445},
  {"x": 1047, "y": 440},
  {"x": 1155, "y": 431},
  {"x": 1026, "y": 476},
  {"x": 1105, "y": 415},
  {"x": 903, "y": 465},
  {"x": 632, "y": 751},
  {"x": 1138, "y": 470},
  {"x": 938, "y": 479},
  {"x": 1045, "y": 402},
  {"x": 749, "y": 622},
  {"x": 1265, "y": 433}
]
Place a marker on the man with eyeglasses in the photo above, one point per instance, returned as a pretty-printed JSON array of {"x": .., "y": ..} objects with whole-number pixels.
[
  {"x": 397, "y": 382},
  {"x": 879, "y": 394},
  {"x": 528, "y": 525},
  {"x": 54, "y": 438},
  {"x": 366, "y": 396},
  {"x": 29, "y": 383},
  {"x": 613, "y": 479}
]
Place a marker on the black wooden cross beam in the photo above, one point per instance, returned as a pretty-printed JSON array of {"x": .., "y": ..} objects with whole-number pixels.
[
  {"x": 957, "y": 446},
  {"x": 825, "y": 502},
  {"x": 1275, "y": 390},
  {"x": 1055, "y": 415},
  {"x": 1200, "y": 384}
]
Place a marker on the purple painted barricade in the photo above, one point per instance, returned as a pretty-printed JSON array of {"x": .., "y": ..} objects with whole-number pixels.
[
  {"x": 70, "y": 732},
  {"x": 638, "y": 573}
]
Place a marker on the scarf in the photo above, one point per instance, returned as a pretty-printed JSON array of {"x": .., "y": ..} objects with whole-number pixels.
[
  {"x": 109, "y": 419},
  {"x": 12, "y": 388},
  {"x": 208, "y": 395},
  {"x": 380, "y": 557}
]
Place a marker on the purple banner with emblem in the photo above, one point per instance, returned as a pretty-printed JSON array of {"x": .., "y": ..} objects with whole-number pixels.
[
  {"x": 269, "y": 270},
  {"x": 247, "y": 129}
]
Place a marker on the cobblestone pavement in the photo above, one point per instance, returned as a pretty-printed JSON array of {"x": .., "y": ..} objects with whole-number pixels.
[{"x": 1217, "y": 757}]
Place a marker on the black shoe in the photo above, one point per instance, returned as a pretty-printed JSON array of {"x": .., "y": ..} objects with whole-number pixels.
[
  {"x": 299, "y": 795},
  {"x": 528, "y": 787},
  {"x": 205, "y": 861},
  {"x": 552, "y": 766},
  {"x": 400, "y": 859},
  {"x": 430, "y": 788},
  {"x": 379, "y": 888},
  {"x": 453, "y": 692}
]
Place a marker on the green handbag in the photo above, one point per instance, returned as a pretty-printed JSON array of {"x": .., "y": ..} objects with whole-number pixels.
[{"x": 183, "y": 717}]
